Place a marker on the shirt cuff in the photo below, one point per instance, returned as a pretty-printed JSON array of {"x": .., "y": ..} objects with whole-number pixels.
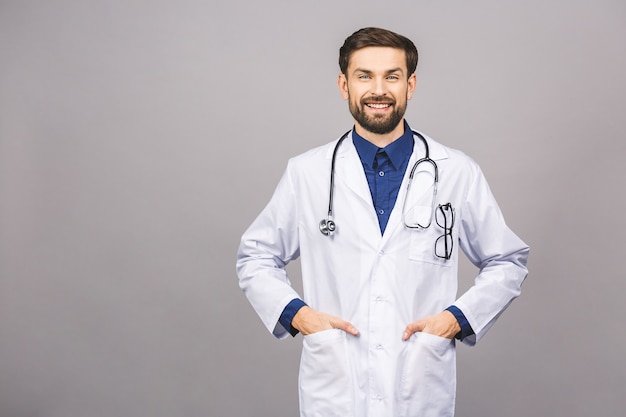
[
  {"x": 288, "y": 314},
  {"x": 466, "y": 329}
]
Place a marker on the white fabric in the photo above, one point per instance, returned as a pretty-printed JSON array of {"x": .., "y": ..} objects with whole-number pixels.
[{"x": 378, "y": 283}]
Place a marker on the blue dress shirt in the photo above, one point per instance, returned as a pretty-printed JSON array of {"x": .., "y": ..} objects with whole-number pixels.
[{"x": 384, "y": 169}]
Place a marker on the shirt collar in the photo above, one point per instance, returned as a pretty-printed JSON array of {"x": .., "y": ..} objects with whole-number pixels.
[{"x": 397, "y": 151}]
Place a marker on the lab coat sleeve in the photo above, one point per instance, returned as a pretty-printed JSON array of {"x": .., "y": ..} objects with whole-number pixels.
[
  {"x": 500, "y": 255},
  {"x": 266, "y": 247}
]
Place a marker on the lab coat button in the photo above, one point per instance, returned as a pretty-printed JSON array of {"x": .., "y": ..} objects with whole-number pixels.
[{"x": 379, "y": 347}]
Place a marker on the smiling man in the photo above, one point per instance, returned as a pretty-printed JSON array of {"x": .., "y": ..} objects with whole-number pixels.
[
  {"x": 379, "y": 311},
  {"x": 377, "y": 87}
]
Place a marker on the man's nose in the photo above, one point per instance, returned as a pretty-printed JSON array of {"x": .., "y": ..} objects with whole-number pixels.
[{"x": 379, "y": 88}]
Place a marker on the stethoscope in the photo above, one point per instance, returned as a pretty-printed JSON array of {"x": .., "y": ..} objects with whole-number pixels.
[{"x": 328, "y": 225}]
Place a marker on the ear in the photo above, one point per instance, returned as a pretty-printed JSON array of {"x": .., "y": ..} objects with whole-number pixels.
[
  {"x": 342, "y": 84},
  {"x": 412, "y": 83}
]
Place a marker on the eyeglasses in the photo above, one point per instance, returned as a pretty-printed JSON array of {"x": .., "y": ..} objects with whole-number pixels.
[{"x": 444, "y": 216}]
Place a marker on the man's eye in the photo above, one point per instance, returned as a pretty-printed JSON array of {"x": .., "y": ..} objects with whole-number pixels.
[
  {"x": 393, "y": 77},
  {"x": 364, "y": 77}
]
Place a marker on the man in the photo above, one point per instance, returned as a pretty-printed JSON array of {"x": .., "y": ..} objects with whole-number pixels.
[{"x": 379, "y": 273}]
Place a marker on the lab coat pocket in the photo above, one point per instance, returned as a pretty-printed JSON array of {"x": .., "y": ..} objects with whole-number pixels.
[
  {"x": 326, "y": 387},
  {"x": 427, "y": 377},
  {"x": 422, "y": 247}
]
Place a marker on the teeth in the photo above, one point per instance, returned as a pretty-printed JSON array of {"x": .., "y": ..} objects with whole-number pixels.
[{"x": 378, "y": 106}]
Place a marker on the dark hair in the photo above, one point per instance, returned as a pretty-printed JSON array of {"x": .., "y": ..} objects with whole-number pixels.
[{"x": 365, "y": 37}]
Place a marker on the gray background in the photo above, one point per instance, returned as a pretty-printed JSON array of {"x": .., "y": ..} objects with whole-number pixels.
[{"x": 138, "y": 139}]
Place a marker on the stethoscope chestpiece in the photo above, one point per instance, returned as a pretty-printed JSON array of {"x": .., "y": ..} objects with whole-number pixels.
[{"x": 327, "y": 226}]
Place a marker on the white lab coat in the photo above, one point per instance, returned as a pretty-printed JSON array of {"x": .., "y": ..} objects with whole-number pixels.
[{"x": 378, "y": 283}]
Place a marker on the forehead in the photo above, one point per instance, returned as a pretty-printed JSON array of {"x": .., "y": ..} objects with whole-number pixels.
[{"x": 377, "y": 58}]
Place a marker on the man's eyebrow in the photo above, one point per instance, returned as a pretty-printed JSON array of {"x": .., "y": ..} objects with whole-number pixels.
[
  {"x": 391, "y": 71},
  {"x": 363, "y": 70}
]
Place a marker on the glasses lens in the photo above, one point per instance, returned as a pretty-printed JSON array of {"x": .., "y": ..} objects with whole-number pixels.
[
  {"x": 445, "y": 217},
  {"x": 443, "y": 246}
]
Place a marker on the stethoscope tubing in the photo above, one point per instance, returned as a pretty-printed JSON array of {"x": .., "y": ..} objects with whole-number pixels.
[
  {"x": 327, "y": 225},
  {"x": 332, "y": 174}
]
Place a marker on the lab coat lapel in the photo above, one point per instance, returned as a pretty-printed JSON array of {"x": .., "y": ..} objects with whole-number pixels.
[{"x": 349, "y": 171}]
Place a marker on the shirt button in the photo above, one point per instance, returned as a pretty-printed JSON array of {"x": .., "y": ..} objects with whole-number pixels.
[
  {"x": 381, "y": 173},
  {"x": 381, "y": 211}
]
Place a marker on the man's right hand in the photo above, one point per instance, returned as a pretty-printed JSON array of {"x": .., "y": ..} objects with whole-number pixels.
[{"x": 309, "y": 321}]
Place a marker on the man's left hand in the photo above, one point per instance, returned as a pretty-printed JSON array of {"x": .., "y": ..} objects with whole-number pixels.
[{"x": 443, "y": 324}]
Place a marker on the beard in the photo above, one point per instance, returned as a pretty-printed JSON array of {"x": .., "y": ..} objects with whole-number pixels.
[{"x": 379, "y": 124}]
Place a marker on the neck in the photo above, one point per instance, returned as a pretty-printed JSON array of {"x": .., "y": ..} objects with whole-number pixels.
[{"x": 380, "y": 140}]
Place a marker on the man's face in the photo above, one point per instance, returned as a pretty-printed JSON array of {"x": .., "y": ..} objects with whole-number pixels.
[{"x": 377, "y": 88}]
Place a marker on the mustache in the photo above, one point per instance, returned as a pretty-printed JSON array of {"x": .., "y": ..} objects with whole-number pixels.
[{"x": 378, "y": 100}]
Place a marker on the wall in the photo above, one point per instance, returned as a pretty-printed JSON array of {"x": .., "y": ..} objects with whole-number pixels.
[{"x": 138, "y": 139}]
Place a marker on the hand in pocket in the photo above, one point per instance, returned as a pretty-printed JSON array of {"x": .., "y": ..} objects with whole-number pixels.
[
  {"x": 443, "y": 324},
  {"x": 309, "y": 321}
]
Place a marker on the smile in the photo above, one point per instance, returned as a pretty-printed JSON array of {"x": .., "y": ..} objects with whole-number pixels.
[{"x": 378, "y": 105}]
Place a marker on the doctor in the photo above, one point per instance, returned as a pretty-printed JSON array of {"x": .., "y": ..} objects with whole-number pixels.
[{"x": 379, "y": 311}]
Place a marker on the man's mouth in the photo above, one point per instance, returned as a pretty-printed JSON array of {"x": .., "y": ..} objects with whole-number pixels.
[{"x": 378, "y": 105}]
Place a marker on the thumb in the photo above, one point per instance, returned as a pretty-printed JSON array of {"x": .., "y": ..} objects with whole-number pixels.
[
  {"x": 345, "y": 326},
  {"x": 416, "y": 326}
]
